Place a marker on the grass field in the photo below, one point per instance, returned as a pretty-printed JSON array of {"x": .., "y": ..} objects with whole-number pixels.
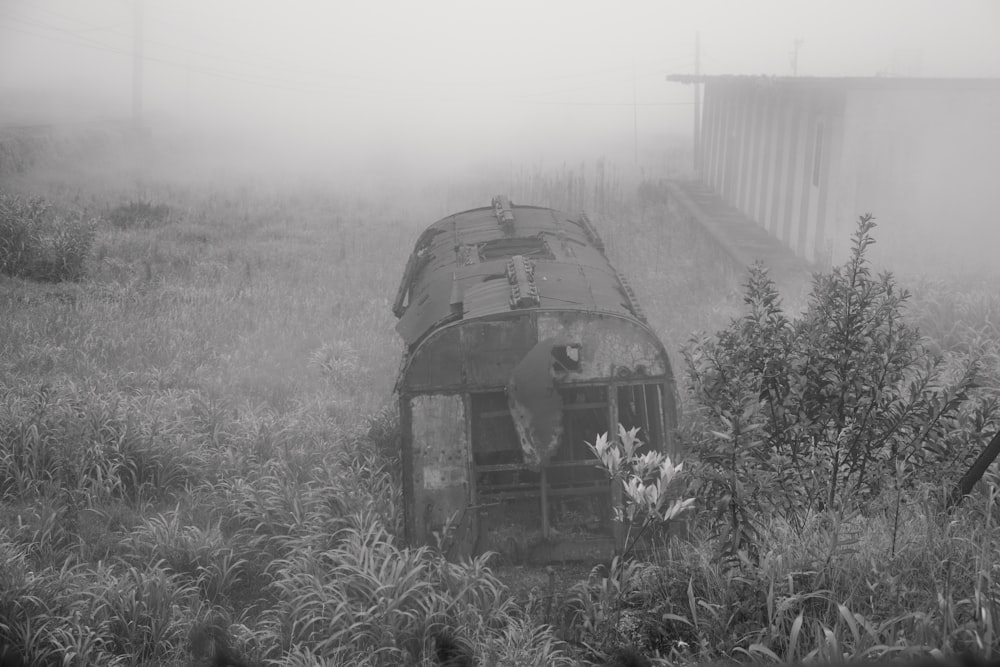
[{"x": 203, "y": 428}]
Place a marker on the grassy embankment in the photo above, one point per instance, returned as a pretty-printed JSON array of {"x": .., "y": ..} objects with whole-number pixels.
[{"x": 200, "y": 427}]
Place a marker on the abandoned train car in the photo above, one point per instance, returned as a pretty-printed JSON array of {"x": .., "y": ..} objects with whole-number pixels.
[{"x": 522, "y": 343}]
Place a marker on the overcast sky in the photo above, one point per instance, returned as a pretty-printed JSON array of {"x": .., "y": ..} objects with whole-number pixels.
[{"x": 450, "y": 76}]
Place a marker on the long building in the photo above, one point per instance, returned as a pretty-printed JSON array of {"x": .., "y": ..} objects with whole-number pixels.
[{"x": 805, "y": 156}]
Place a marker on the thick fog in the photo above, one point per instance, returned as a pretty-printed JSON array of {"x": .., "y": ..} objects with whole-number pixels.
[{"x": 445, "y": 84}]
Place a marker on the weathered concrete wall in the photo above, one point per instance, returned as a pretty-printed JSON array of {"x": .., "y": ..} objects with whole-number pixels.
[
  {"x": 924, "y": 162},
  {"x": 804, "y": 160}
]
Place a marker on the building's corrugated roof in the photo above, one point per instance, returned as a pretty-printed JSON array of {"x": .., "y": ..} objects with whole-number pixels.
[
  {"x": 844, "y": 82},
  {"x": 459, "y": 269}
]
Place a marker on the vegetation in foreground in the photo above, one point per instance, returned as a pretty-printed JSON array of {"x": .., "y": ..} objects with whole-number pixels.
[{"x": 194, "y": 431}]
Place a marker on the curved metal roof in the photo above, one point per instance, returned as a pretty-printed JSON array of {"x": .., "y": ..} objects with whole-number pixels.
[{"x": 505, "y": 258}]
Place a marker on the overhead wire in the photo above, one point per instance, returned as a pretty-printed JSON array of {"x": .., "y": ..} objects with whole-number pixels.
[
  {"x": 299, "y": 69},
  {"x": 73, "y": 37},
  {"x": 76, "y": 39}
]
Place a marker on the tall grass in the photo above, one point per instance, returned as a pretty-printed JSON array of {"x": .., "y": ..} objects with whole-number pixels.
[
  {"x": 41, "y": 243},
  {"x": 202, "y": 428}
]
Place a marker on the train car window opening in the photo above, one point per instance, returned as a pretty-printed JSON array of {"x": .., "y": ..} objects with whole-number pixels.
[
  {"x": 566, "y": 358},
  {"x": 639, "y": 406},
  {"x": 468, "y": 254},
  {"x": 494, "y": 438},
  {"x": 533, "y": 247},
  {"x": 586, "y": 414},
  {"x": 495, "y": 443},
  {"x": 576, "y": 485}
]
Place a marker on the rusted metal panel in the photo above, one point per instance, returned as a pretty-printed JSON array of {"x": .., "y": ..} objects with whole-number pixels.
[
  {"x": 491, "y": 349},
  {"x": 483, "y": 353},
  {"x": 467, "y": 253},
  {"x": 482, "y": 288},
  {"x": 429, "y": 306},
  {"x": 436, "y": 365},
  {"x": 406, "y": 459},
  {"x": 440, "y": 455},
  {"x": 536, "y": 406},
  {"x": 477, "y": 354},
  {"x": 483, "y": 299},
  {"x": 610, "y": 347}
]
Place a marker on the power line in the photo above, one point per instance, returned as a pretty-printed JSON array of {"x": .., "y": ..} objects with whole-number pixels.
[
  {"x": 137, "y": 54},
  {"x": 76, "y": 40},
  {"x": 73, "y": 38},
  {"x": 90, "y": 26},
  {"x": 258, "y": 63},
  {"x": 80, "y": 40}
]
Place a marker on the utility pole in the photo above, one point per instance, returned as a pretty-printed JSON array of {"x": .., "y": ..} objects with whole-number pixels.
[
  {"x": 635, "y": 118},
  {"x": 795, "y": 56},
  {"x": 697, "y": 102},
  {"x": 187, "y": 69},
  {"x": 137, "y": 65}
]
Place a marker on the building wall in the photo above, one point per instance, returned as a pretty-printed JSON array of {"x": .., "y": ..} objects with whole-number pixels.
[
  {"x": 805, "y": 161},
  {"x": 766, "y": 150},
  {"x": 925, "y": 163}
]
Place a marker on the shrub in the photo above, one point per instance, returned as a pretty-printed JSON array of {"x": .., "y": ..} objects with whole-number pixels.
[
  {"x": 825, "y": 411},
  {"x": 645, "y": 479},
  {"x": 138, "y": 213},
  {"x": 40, "y": 243},
  {"x": 610, "y": 609}
]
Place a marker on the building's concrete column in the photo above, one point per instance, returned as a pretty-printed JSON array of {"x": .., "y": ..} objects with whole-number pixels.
[
  {"x": 818, "y": 241},
  {"x": 792, "y": 169},
  {"x": 746, "y": 147},
  {"x": 710, "y": 109},
  {"x": 751, "y": 154},
  {"x": 806, "y": 177},
  {"x": 715, "y": 100},
  {"x": 827, "y": 226},
  {"x": 710, "y": 130},
  {"x": 726, "y": 148},
  {"x": 730, "y": 145},
  {"x": 743, "y": 166},
  {"x": 769, "y": 138},
  {"x": 757, "y": 162},
  {"x": 779, "y": 180}
]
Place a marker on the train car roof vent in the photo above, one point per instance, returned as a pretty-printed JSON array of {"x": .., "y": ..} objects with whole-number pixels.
[
  {"x": 455, "y": 302},
  {"x": 504, "y": 211},
  {"x": 590, "y": 232},
  {"x": 521, "y": 276},
  {"x": 633, "y": 302}
]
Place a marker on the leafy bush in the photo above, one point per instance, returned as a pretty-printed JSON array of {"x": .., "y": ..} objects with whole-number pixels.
[
  {"x": 645, "y": 479},
  {"x": 39, "y": 243},
  {"x": 611, "y": 609},
  {"x": 827, "y": 410},
  {"x": 138, "y": 213}
]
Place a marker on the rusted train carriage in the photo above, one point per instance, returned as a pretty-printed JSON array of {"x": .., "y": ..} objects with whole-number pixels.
[{"x": 522, "y": 344}]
